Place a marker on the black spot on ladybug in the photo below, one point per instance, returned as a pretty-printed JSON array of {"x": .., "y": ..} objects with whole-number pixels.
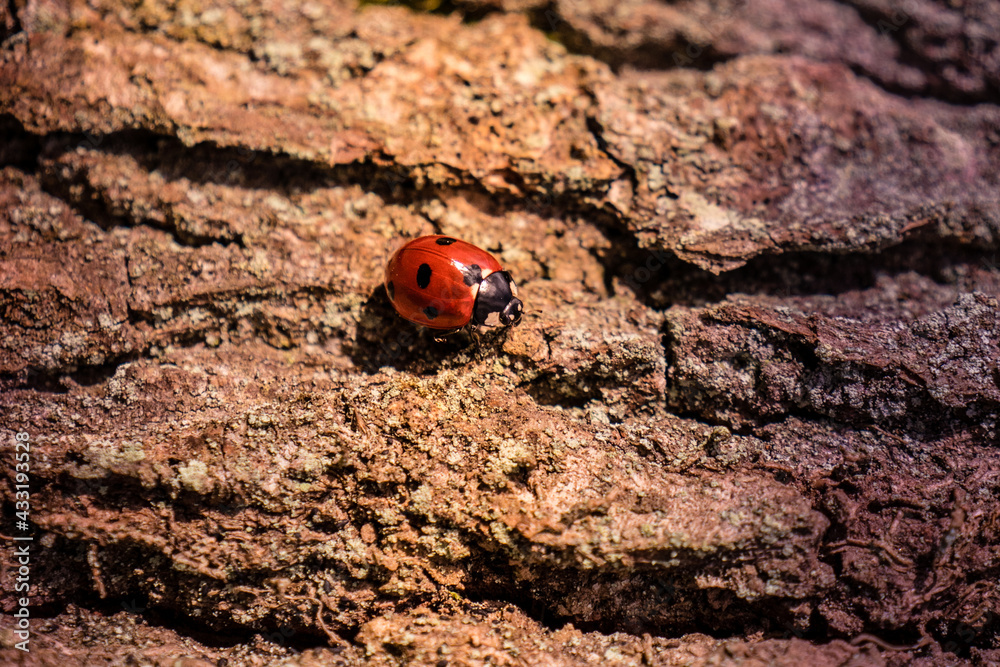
[
  {"x": 445, "y": 241},
  {"x": 431, "y": 312},
  {"x": 424, "y": 276},
  {"x": 472, "y": 274},
  {"x": 391, "y": 289}
]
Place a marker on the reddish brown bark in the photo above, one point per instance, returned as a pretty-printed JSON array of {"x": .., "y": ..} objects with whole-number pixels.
[{"x": 750, "y": 415}]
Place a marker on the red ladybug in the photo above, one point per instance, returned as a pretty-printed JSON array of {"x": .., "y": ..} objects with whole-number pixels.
[{"x": 443, "y": 283}]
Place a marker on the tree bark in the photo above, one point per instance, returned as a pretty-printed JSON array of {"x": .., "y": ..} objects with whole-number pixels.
[{"x": 750, "y": 414}]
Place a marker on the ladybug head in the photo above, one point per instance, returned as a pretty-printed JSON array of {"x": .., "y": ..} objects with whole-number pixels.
[{"x": 497, "y": 303}]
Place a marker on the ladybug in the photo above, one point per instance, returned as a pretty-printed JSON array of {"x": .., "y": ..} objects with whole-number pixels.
[{"x": 444, "y": 283}]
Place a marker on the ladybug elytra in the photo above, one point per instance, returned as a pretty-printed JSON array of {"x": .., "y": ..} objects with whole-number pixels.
[{"x": 446, "y": 284}]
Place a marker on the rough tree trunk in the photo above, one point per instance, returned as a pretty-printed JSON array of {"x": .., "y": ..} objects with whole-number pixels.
[{"x": 750, "y": 416}]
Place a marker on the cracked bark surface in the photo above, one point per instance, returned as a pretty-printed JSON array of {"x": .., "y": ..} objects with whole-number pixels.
[{"x": 749, "y": 417}]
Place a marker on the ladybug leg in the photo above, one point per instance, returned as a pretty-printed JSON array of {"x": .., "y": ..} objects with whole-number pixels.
[
  {"x": 476, "y": 334},
  {"x": 443, "y": 335}
]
